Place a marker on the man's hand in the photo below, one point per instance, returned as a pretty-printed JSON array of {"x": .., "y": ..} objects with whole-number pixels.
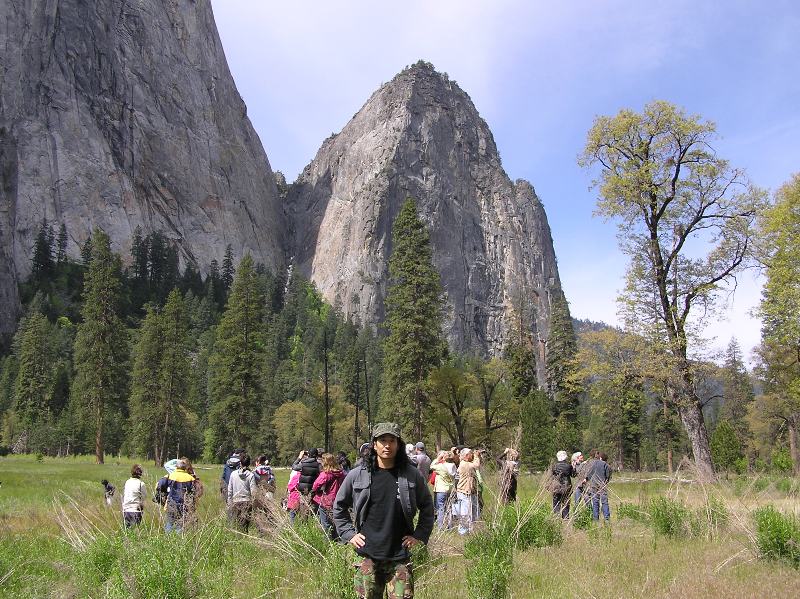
[
  {"x": 359, "y": 540},
  {"x": 409, "y": 541}
]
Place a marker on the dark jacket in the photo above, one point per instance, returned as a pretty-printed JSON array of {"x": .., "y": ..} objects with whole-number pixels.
[
  {"x": 598, "y": 476},
  {"x": 563, "y": 471},
  {"x": 355, "y": 492},
  {"x": 179, "y": 484},
  {"x": 309, "y": 471}
]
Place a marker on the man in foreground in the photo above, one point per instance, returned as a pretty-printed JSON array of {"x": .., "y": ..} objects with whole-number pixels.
[{"x": 385, "y": 494}]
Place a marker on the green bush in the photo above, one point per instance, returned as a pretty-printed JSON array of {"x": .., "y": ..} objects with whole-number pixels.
[
  {"x": 777, "y": 535},
  {"x": 781, "y": 461},
  {"x": 670, "y": 518},
  {"x": 582, "y": 516},
  {"x": 632, "y": 512},
  {"x": 529, "y": 525}
]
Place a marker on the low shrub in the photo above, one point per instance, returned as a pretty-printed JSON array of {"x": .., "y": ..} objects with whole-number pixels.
[
  {"x": 670, "y": 518},
  {"x": 632, "y": 512},
  {"x": 528, "y": 525},
  {"x": 777, "y": 535},
  {"x": 582, "y": 516},
  {"x": 781, "y": 461}
]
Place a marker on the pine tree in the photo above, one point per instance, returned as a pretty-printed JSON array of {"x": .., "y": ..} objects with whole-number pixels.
[
  {"x": 227, "y": 268},
  {"x": 235, "y": 381},
  {"x": 737, "y": 391},
  {"x": 145, "y": 405},
  {"x": 35, "y": 377},
  {"x": 414, "y": 308},
  {"x": 61, "y": 256},
  {"x": 562, "y": 346},
  {"x": 159, "y": 402},
  {"x": 521, "y": 368},
  {"x": 101, "y": 343},
  {"x": 86, "y": 251},
  {"x": 42, "y": 260},
  {"x": 139, "y": 254},
  {"x": 537, "y": 442},
  {"x": 175, "y": 373},
  {"x": 725, "y": 446}
]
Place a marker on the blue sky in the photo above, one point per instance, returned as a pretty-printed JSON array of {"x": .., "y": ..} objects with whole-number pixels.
[{"x": 538, "y": 72}]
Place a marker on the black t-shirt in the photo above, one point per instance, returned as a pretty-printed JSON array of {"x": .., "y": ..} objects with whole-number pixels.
[{"x": 385, "y": 525}]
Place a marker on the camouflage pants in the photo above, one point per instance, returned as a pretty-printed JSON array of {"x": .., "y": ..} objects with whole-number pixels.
[{"x": 372, "y": 577}]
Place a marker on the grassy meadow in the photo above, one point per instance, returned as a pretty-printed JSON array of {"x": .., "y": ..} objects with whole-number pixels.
[{"x": 665, "y": 539}]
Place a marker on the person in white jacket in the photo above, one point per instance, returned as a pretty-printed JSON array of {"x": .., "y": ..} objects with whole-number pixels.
[
  {"x": 133, "y": 497},
  {"x": 241, "y": 493}
]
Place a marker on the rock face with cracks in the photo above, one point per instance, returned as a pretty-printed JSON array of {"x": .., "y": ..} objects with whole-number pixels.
[
  {"x": 118, "y": 114},
  {"x": 420, "y": 136},
  {"x": 115, "y": 114}
]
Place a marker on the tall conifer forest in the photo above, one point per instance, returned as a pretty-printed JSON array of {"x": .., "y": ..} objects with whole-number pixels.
[{"x": 135, "y": 356}]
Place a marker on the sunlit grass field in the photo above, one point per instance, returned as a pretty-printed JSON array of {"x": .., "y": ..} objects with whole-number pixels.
[{"x": 59, "y": 539}]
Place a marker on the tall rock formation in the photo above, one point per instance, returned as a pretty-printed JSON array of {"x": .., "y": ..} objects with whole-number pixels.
[
  {"x": 115, "y": 114},
  {"x": 421, "y": 136}
]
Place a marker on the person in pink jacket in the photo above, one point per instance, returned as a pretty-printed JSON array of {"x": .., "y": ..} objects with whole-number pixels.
[
  {"x": 324, "y": 491},
  {"x": 293, "y": 495}
]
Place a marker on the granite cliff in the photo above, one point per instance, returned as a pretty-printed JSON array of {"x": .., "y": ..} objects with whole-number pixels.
[
  {"x": 421, "y": 136},
  {"x": 115, "y": 114}
]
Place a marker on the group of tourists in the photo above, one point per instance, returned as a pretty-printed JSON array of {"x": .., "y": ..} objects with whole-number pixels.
[
  {"x": 592, "y": 477},
  {"x": 382, "y": 505}
]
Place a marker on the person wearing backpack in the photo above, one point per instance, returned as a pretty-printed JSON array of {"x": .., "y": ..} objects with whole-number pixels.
[
  {"x": 241, "y": 494},
  {"x": 265, "y": 477},
  {"x": 231, "y": 464},
  {"x": 307, "y": 464},
  {"x": 561, "y": 484},
  {"x": 180, "y": 497},
  {"x": 392, "y": 512},
  {"x": 324, "y": 492},
  {"x": 133, "y": 495}
]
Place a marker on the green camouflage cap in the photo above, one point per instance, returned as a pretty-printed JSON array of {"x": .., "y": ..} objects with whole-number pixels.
[{"x": 384, "y": 428}]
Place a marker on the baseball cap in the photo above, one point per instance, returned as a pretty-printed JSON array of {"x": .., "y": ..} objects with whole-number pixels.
[
  {"x": 420, "y": 445},
  {"x": 386, "y": 428}
]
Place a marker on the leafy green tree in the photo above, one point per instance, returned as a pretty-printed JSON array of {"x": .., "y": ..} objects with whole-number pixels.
[
  {"x": 779, "y": 355},
  {"x": 101, "y": 343},
  {"x": 414, "y": 306},
  {"x": 499, "y": 409},
  {"x": 614, "y": 366},
  {"x": 671, "y": 194},
  {"x": 450, "y": 390},
  {"x": 725, "y": 446},
  {"x": 235, "y": 381}
]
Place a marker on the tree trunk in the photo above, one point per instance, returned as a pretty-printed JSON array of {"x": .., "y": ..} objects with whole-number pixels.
[{"x": 692, "y": 419}]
